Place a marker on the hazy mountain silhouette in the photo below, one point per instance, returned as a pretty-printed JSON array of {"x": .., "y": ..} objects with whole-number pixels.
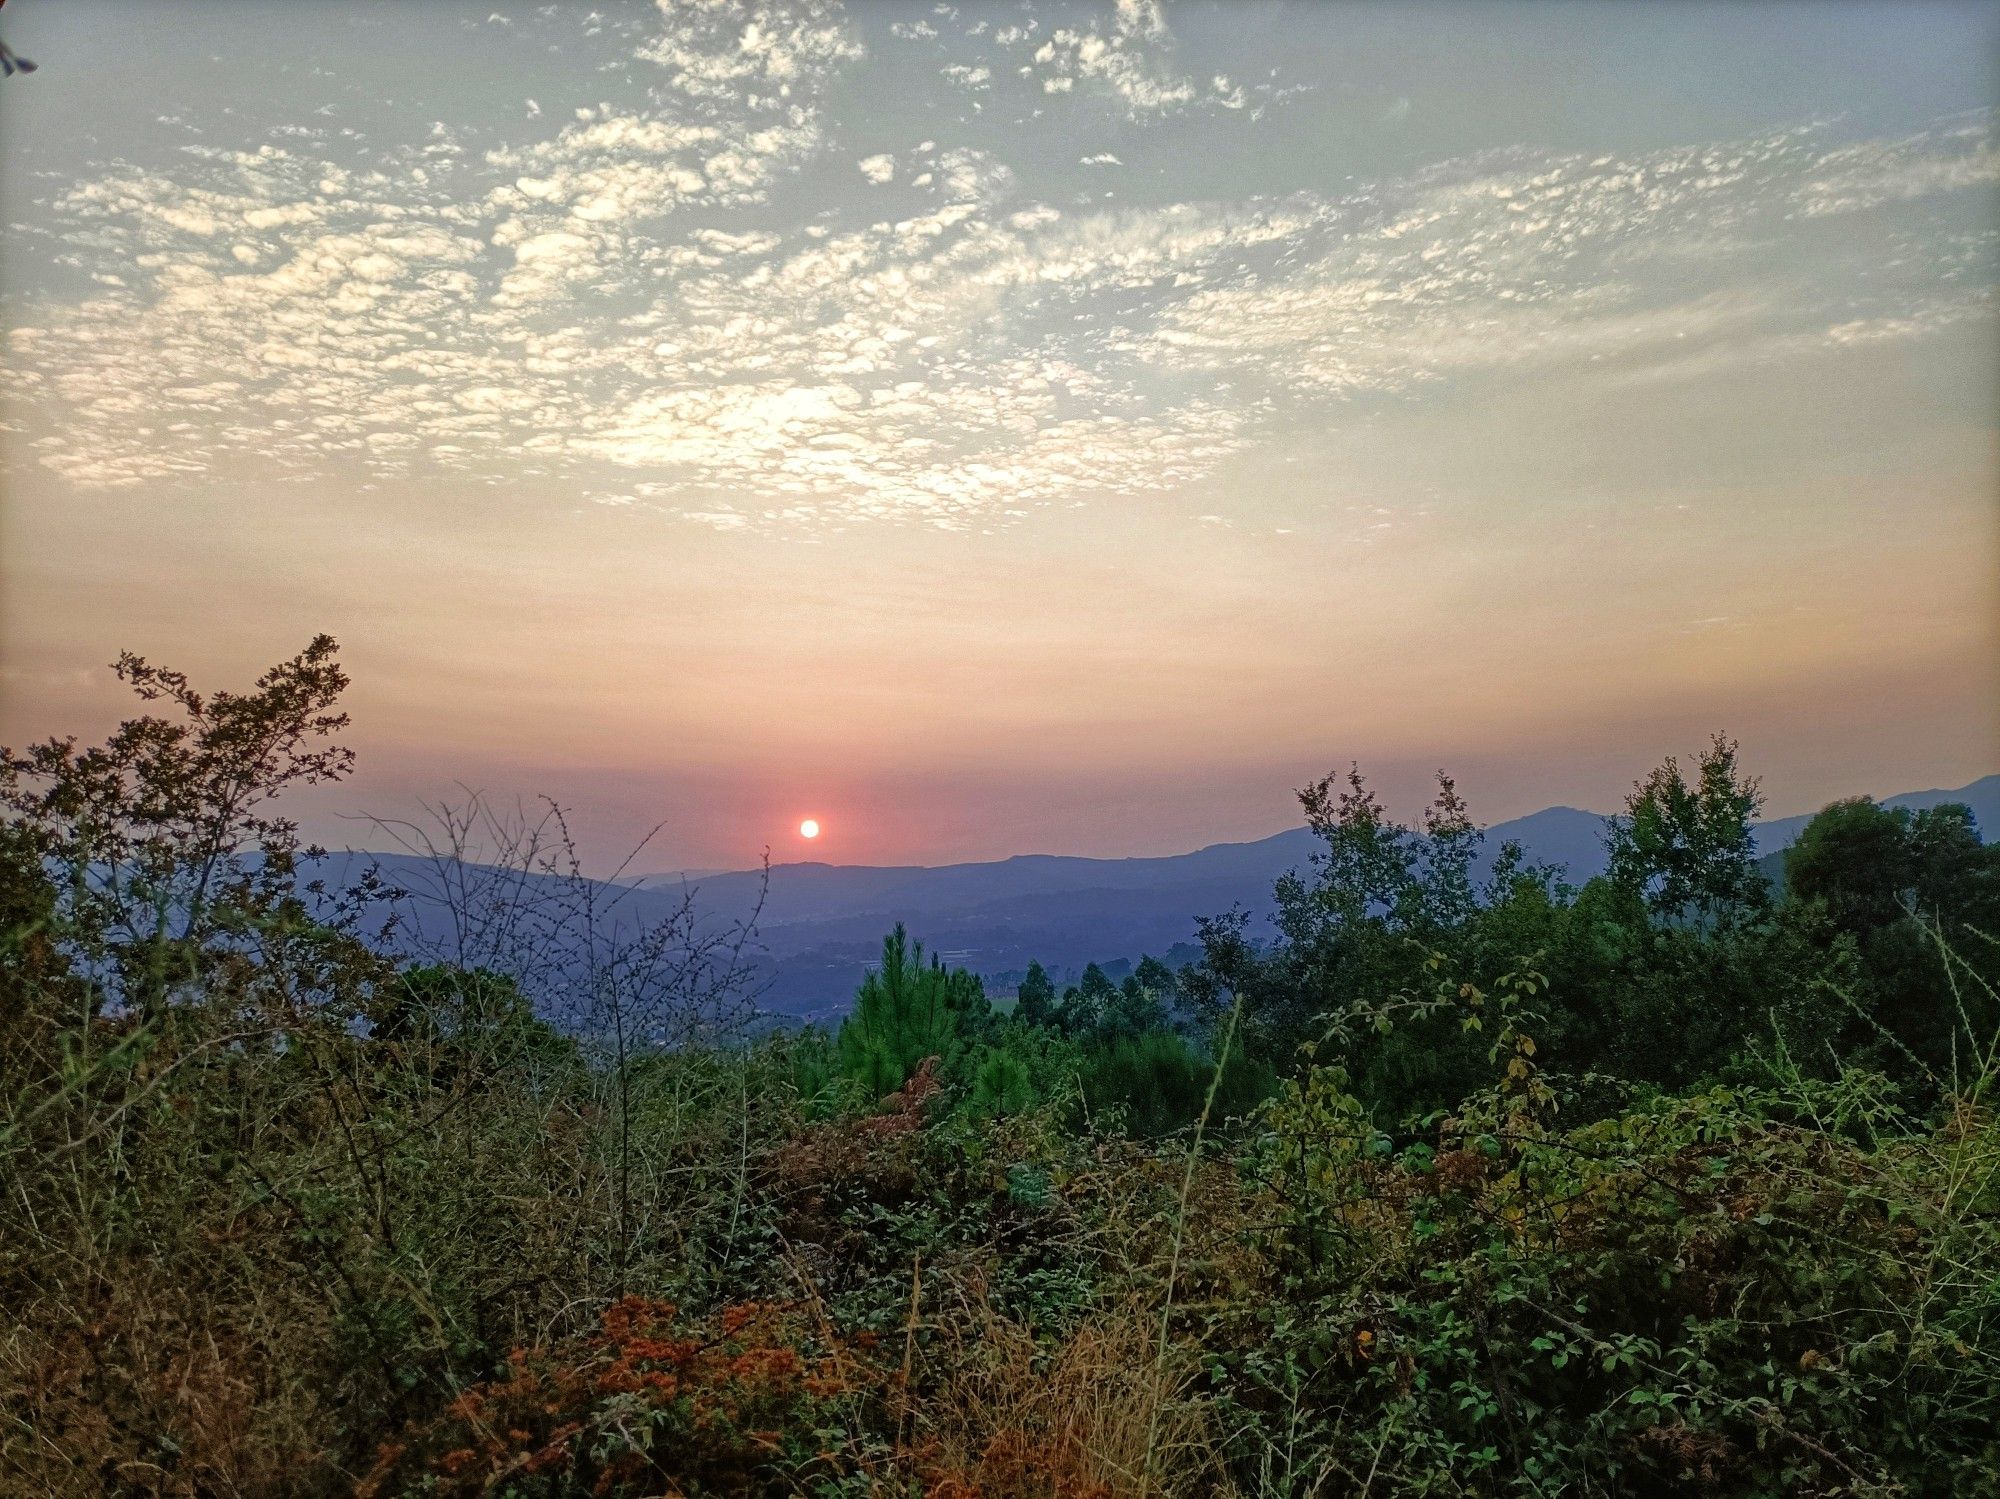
[{"x": 821, "y": 923}]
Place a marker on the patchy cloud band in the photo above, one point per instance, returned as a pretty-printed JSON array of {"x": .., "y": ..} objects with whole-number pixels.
[{"x": 628, "y": 300}]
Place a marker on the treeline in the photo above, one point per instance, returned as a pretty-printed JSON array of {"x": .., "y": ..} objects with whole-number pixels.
[
  {"x": 1677, "y": 1182},
  {"x": 1686, "y": 961},
  {"x": 1115, "y": 1050},
  {"x": 1680, "y": 964}
]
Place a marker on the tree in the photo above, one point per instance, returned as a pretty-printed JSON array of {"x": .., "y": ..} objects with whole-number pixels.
[
  {"x": 1161, "y": 1082},
  {"x": 1687, "y": 846},
  {"x": 1036, "y": 1001},
  {"x": 1002, "y": 1083},
  {"x": 907, "y": 1010},
  {"x": 1136, "y": 1008},
  {"x": 1084, "y": 1006},
  {"x": 1891, "y": 885},
  {"x": 463, "y": 1023},
  {"x": 1351, "y": 928},
  {"x": 1952, "y": 870},
  {"x": 1157, "y": 977},
  {"x": 173, "y": 877},
  {"x": 1855, "y": 858},
  {"x": 1451, "y": 843},
  {"x": 1368, "y": 862}
]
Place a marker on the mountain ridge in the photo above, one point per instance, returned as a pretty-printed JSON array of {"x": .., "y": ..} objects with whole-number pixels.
[{"x": 820, "y": 923}]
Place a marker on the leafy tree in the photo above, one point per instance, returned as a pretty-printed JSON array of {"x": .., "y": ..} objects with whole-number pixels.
[
  {"x": 1137, "y": 1007},
  {"x": 1660, "y": 973},
  {"x": 1353, "y": 926},
  {"x": 173, "y": 876},
  {"x": 1895, "y": 887},
  {"x": 1084, "y": 1006},
  {"x": 1854, "y": 857},
  {"x": 1368, "y": 862},
  {"x": 1157, "y": 977},
  {"x": 1871, "y": 865},
  {"x": 1036, "y": 1003},
  {"x": 1450, "y": 845},
  {"x": 1686, "y": 844},
  {"x": 464, "y": 1023},
  {"x": 907, "y": 1010}
]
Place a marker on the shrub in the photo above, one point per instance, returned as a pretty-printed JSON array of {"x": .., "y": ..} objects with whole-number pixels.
[
  {"x": 755, "y": 1401},
  {"x": 1776, "y": 1289}
]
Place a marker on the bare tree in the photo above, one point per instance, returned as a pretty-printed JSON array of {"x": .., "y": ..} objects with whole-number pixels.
[{"x": 636, "y": 974}]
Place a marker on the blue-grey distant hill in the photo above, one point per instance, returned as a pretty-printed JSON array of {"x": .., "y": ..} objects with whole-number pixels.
[{"x": 822, "y": 922}]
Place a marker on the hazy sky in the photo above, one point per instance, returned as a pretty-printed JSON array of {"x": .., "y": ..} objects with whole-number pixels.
[{"x": 1014, "y": 427}]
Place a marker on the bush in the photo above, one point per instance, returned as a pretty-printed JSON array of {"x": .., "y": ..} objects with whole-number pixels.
[
  {"x": 754, "y": 1402},
  {"x": 1158, "y": 1083},
  {"x": 1776, "y": 1289}
]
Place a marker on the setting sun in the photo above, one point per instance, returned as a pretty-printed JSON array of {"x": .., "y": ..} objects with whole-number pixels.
[{"x": 809, "y": 829}]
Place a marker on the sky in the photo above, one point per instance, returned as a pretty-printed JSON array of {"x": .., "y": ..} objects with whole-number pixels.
[{"x": 1003, "y": 428}]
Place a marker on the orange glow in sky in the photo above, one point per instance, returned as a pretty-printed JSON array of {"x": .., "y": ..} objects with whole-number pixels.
[{"x": 1073, "y": 487}]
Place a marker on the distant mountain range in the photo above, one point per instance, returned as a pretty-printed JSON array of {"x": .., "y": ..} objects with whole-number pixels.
[{"x": 821, "y": 923}]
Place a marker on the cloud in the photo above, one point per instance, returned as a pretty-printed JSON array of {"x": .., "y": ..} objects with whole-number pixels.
[
  {"x": 1868, "y": 174},
  {"x": 1532, "y": 260},
  {"x": 649, "y": 302},
  {"x": 760, "y": 56},
  {"x": 1127, "y": 59}
]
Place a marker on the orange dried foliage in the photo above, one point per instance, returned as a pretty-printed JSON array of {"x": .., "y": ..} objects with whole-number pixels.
[{"x": 644, "y": 1403}]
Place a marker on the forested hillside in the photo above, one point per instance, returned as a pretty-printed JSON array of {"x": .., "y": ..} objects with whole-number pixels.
[
  {"x": 1465, "y": 1179},
  {"x": 818, "y": 925}
]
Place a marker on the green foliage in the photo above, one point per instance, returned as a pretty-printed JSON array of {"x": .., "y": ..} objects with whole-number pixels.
[
  {"x": 1761, "y": 1290},
  {"x": 1873, "y": 888},
  {"x": 1085, "y": 1006},
  {"x": 908, "y": 1010},
  {"x": 1359, "y": 923},
  {"x": 1661, "y": 974},
  {"x": 818, "y": 1082},
  {"x": 1136, "y": 1008},
  {"x": 457, "y": 1018},
  {"x": 171, "y": 861},
  {"x": 1036, "y": 1003},
  {"x": 1157, "y": 1082},
  {"x": 1686, "y": 845},
  {"x": 1002, "y": 1083}
]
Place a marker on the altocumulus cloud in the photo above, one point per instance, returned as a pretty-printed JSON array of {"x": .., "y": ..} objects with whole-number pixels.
[{"x": 630, "y": 292}]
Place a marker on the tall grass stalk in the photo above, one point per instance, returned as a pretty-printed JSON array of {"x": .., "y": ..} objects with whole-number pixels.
[{"x": 1180, "y": 1236}]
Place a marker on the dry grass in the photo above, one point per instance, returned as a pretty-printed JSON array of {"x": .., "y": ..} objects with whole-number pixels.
[
  {"x": 1005, "y": 1413},
  {"x": 152, "y": 1385}
]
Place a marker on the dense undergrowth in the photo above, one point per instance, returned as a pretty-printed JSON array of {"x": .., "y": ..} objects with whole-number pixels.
[{"x": 1668, "y": 1185}]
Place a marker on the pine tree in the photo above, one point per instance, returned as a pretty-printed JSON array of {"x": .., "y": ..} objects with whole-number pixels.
[
  {"x": 1002, "y": 1083},
  {"x": 907, "y": 1010}
]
